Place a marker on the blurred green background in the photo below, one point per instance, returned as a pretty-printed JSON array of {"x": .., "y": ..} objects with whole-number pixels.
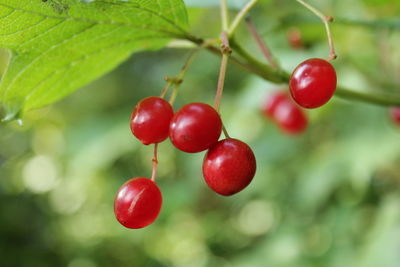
[{"x": 328, "y": 198}]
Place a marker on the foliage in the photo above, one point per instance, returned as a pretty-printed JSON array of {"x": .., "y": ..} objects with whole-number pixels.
[{"x": 59, "y": 46}]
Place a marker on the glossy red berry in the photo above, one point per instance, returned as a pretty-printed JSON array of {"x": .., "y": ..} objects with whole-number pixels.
[
  {"x": 313, "y": 83},
  {"x": 137, "y": 203},
  {"x": 150, "y": 120},
  {"x": 195, "y": 127},
  {"x": 290, "y": 118},
  {"x": 395, "y": 114},
  {"x": 229, "y": 166}
]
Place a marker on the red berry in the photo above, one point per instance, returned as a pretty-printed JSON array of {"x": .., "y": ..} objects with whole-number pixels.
[
  {"x": 395, "y": 114},
  {"x": 281, "y": 108},
  {"x": 229, "y": 166},
  {"x": 195, "y": 127},
  {"x": 294, "y": 38},
  {"x": 137, "y": 203},
  {"x": 313, "y": 83},
  {"x": 271, "y": 102},
  {"x": 150, "y": 120}
]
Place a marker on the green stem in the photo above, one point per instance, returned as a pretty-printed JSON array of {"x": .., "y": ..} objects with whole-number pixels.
[
  {"x": 240, "y": 16},
  {"x": 266, "y": 72},
  {"x": 325, "y": 20},
  {"x": 224, "y": 15},
  {"x": 380, "y": 99},
  {"x": 179, "y": 78},
  {"x": 255, "y": 66}
]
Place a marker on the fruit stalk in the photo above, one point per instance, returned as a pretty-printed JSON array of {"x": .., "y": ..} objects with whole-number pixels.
[
  {"x": 225, "y": 51},
  {"x": 325, "y": 20},
  {"x": 155, "y": 163},
  {"x": 266, "y": 72},
  {"x": 177, "y": 80}
]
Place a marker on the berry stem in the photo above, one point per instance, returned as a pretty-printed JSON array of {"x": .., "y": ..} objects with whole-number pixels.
[
  {"x": 252, "y": 65},
  {"x": 225, "y": 132},
  {"x": 226, "y": 51},
  {"x": 177, "y": 80},
  {"x": 166, "y": 87},
  {"x": 261, "y": 44},
  {"x": 239, "y": 17},
  {"x": 224, "y": 15},
  {"x": 325, "y": 20},
  {"x": 155, "y": 163}
]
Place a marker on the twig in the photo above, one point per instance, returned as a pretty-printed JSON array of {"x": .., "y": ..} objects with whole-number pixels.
[{"x": 266, "y": 72}]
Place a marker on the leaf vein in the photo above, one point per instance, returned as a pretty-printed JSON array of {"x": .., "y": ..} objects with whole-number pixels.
[
  {"x": 43, "y": 54},
  {"x": 111, "y": 22},
  {"x": 24, "y": 29},
  {"x": 42, "y": 33},
  {"x": 9, "y": 14},
  {"x": 83, "y": 58}
]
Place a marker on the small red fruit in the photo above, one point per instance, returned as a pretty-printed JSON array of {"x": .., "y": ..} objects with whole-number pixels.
[
  {"x": 290, "y": 118},
  {"x": 395, "y": 114},
  {"x": 137, "y": 203},
  {"x": 313, "y": 83},
  {"x": 271, "y": 102},
  {"x": 294, "y": 38},
  {"x": 195, "y": 127},
  {"x": 150, "y": 120},
  {"x": 229, "y": 166}
]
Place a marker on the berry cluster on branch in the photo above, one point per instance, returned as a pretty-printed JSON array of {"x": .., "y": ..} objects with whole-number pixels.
[{"x": 229, "y": 164}]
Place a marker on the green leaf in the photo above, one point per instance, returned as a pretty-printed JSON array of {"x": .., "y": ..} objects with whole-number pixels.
[{"x": 58, "y": 46}]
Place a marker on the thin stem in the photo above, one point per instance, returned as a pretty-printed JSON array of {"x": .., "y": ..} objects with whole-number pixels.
[
  {"x": 177, "y": 80},
  {"x": 325, "y": 20},
  {"x": 253, "y": 65},
  {"x": 261, "y": 44},
  {"x": 166, "y": 87},
  {"x": 225, "y": 132},
  {"x": 155, "y": 163},
  {"x": 224, "y": 15},
  {"x": 226, "y": 51},
  {"x": 239, "y": 17},
  {"x": 221, "y": 80}
]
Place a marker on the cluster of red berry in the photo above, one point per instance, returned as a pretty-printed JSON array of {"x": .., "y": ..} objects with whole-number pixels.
[{"x": 228, "y": 167}]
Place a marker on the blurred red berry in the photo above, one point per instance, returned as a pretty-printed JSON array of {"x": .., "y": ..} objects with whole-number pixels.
[
  {"x": 290, "y": 118},
  {"x": 395, "y": 114}
]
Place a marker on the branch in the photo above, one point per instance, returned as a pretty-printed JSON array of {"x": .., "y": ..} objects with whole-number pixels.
[{"x": 266, "y": 72}]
